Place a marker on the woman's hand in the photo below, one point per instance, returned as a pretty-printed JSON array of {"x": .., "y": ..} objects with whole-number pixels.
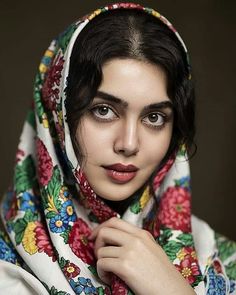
[{"x": 133, "y": 255}]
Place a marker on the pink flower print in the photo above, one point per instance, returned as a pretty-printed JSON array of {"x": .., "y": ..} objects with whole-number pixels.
[
  {"x": 45, "y": 166},
  {"x": 174, "y": 210}
]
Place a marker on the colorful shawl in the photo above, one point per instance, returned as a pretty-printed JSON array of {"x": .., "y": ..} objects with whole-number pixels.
[{"x": 51, "y": 209}]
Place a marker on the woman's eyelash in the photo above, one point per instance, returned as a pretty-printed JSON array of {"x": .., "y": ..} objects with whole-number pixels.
[
  {"x": 164, "y": 117},
  {"x": 101, "y": 117}
]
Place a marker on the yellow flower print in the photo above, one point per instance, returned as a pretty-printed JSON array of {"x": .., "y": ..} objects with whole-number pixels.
[
  {"x": 49, "y": 53},
  {"x": 194, "y": 254},
  {"x": 145, "y": 198},
  {"x": 51, "y": 205},
  {"x": 186, "y": 272},
  {"x": 186, "y": 251},
  {"x": 64, "y": 193},
  {"x": 29, "y": 240},
  {"x": 96, "y": 12},
  {"x": 60, "y": 118},
  {"x": 42, "y": 68},
  {"x": 45, "y": 121},
  {"x": 156, "y": 14},
  {"x": 47, "y": 56},
  {"x": 181, "y": 254}
]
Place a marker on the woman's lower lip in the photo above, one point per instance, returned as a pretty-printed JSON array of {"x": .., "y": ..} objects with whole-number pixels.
[{"x": 120, "y": 177}]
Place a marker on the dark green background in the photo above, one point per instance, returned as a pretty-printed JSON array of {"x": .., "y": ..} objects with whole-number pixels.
[{"x": 209, "y": 30}]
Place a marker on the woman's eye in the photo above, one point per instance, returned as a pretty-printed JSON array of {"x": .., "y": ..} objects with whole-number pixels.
[
  {"x": 154, "y": 120},
  {"x": 103, "y": 112}
]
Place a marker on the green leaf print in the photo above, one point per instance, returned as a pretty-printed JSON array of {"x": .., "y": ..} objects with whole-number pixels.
[
  {"x": 37, "y": 97},
  {"x": 186, "y": 239},
  {"x": 44, "y": 195},
  {"x": 25, "y": 177},
  {"x": 231, "y": 270},
  {"x": 62, "y": 262},
  {"x": 93, "y": 270},
  {"x": 51, "y": 214},
  {"x": 19, "y": 229},
  {"x": 172, "y": 248},
  {"x": 30, "y": 216},
  {"x": 226, "y": 247},
  {"x": 100, "y": 291},
  {"x": 93, "y": 218},
  {"x": 53, "y": 290},
  {"x": 182, "y": 151},
  {"x": 135, "y": 208},
  {"x": 65, "y": 234},
  {"x": 65, "y": 37},
  {"x": 31, "y": 119},
  {"x": 164, "y": 236},
  {"x": 54, "y": 187}
]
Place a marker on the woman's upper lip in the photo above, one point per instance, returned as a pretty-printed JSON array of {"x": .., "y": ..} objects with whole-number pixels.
[{"x": 122, "y": 168}]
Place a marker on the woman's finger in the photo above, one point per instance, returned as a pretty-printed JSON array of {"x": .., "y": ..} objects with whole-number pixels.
[
  {"x": 106, "y": 267},
  {"x": 107, "y": 236},
  {"x": 109, "y": 252},
  {"x": 116, "y": 223}
]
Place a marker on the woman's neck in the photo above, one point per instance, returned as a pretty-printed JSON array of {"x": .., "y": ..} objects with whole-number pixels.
[{"x": 121, "y": 206}]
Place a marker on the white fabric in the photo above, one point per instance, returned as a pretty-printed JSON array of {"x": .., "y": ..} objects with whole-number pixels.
[{"x": 14, "y": 280}]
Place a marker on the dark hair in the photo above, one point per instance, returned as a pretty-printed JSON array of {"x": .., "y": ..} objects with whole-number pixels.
[{"x": 135, "y": 34}]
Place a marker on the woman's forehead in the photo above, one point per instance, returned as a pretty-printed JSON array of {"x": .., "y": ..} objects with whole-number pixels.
[{"x": 128, "y": 80}]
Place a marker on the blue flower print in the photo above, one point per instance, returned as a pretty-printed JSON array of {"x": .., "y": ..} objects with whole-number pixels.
[
  {"x": 67, "y": 211},
  {"x": 183, "y": 182},
  {"x": 232, "y": 286},
  {"x": 216, "y": 283},
  {"x": 6, "y": 253},
  {"x": 27, "y": 202},
  {"x": 83, "y": 285},
  {"x": 57, "y": 224}
]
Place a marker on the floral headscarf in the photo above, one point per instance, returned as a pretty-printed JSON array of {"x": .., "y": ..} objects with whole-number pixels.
[{"x": 51, "y": 208}]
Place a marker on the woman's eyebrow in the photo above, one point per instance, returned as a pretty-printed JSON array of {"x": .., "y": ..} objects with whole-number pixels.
[
  {"x": 110, "y": 97},
  {"x": 159, "y": 105}
]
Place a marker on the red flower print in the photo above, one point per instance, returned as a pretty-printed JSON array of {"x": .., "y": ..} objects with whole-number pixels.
[
  {"x": 187, "y": 252},
  {"x": 217, "y": 266},
  {"x": 12, "y": 210},
  {"x": 98, "y": 207},
  {"x": 50, "y": 90},
  {"x": 107, "y": 291},
  {"x": 174, "y": 210},
  {"x": 153, "y": 226},
  {"x": 129, "y": 5},
  {"x": 188, "y": 268},
  {"x": 79, "y": 243},
  {"x": 45, "y": 166},
  {"x": 71, "y": 270},
  {"x": 19, "y": 155},
  {"x": 118, "y": 286},
  {"x": 42, "y": 241},
  {"x": 162, "y": 173},
  {"x": 60, "y": 133}
]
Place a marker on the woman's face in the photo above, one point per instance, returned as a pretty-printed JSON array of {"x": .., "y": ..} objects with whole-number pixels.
[{"x": 126, "y": 131}]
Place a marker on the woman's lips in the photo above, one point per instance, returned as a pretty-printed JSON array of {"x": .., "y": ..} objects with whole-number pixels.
[{"x": 121, "y": 173}]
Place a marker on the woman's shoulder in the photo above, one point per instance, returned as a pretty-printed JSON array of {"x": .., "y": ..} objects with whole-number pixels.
[
  {"x": 14, "y": 279},
  {"x": 217, "y": 256},
  {"x": 208, "y": 239}
]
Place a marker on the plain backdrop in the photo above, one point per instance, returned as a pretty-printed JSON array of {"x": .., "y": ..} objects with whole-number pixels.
[{"x": 208, "y": 28}]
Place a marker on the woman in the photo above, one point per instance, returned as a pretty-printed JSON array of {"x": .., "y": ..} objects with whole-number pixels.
[{"x": 101, "y": 196}]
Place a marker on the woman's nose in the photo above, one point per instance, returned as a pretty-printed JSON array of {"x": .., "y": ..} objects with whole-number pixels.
[{"x": 127, "y": 139}]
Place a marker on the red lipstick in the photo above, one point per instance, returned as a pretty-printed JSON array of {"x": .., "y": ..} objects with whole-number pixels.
[{"x": 121, "y": 173}]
